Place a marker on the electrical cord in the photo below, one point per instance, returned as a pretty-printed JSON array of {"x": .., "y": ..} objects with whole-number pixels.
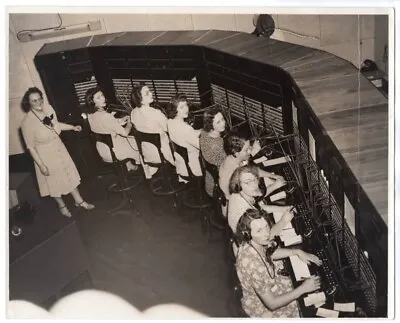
[
  {"x": 292, "y": 33},
  {"x": 127, "y": 139},
  {"x": 86, "y": 167},
  {"x": 41, "y": 29}
]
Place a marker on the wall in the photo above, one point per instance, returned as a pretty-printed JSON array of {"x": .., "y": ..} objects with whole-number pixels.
[
  {"x": 381, "y": 39},
  {"x": 348, "y": 36}
]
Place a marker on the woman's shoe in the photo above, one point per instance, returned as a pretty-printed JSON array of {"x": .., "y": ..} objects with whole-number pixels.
[
  {"x": 85, "y": 205},
  {"x": 64, "y": 211}
]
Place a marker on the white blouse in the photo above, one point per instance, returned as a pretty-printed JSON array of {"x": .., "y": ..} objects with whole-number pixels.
[{"x": 184, "y": 135}]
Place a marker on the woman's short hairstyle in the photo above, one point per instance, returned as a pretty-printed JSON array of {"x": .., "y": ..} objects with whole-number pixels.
[
  {"x": 90, "y": 105},
  {"x": 26, "y": 106},
  {"x": 209, "y": 116},
  {"x": 243, "y": 227},
  {"x": 234, "y": 143},
  {"x": 172, "y": 108},
  {"x": 136, "y": 94},
  {"x": 234, "y": 182}
]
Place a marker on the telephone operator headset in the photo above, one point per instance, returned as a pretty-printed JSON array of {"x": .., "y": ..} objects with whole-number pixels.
[{"x": 244, "y": 235}]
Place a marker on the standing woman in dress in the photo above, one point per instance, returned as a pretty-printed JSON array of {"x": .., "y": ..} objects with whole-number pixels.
[{"x": 55, "y": 170}]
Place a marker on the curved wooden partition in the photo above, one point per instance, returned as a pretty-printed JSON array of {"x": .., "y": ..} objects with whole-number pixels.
[{"x": 337, "y": 109}]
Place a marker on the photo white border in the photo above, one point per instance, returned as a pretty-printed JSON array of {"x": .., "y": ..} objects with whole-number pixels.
[{"x": 251, "y": 6}]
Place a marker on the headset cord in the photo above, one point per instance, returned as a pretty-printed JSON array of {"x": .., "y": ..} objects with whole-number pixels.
[{"x": 51, "y": 127}]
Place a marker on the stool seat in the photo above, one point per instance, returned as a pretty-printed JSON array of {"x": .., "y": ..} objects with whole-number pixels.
[
  {"x": 196, "y": 198},
  {"x": 194, "y": 201},
  {"x": 159, "y": 188},
  {"x": 126, "y": 181},
  {"x": 218, "y": 198},
  {"x": 162, "y": 183},
  {"x": 165, "y": 181}
]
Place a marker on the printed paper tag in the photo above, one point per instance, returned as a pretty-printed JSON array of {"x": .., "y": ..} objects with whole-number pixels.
[
  {"x": 344, "y": 307},
  {"x": 323, "y": 312}
]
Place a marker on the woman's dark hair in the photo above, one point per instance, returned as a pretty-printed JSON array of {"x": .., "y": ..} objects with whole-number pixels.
[
  {"x": 243, "y": 233},
  {"x": 243, "y": 227},
  {"x": 234, "y": 143},
  {"x": 209, "y": 116},
  {"x": 136, "y": 95},
  {"x": 26, "y": 106},
  {"x": 234, "y": 182},
  {"x": 172, "y": 108},
  {"x": 90, "y": 105}
]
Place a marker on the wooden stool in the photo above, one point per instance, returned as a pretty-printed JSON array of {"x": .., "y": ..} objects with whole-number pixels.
[
  {"x": 125, "y": 181},
  {"x": 196, "y": 197}
]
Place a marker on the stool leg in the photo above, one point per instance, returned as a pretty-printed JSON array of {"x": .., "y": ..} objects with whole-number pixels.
[
  {"x": 207, "y": 225},
  {"x": 125, "y": 202},
  {"x": 119, "y": 207},
  {"x": 108, "y": 198}
]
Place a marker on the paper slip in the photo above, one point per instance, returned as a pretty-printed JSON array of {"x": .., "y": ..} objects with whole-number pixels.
[
  {"x": 288, "y": 226},
  {"x": 323, "y": 312},
  {"x": 255, "y": 150},
  {"x": 287, "y": 233},
  {"x": 276, "y": 161},
  {"x": 260, "y": 159},
  {"x": 290, "y": 241},
  {"x": 319, "y": 305},
  {"x": 278, "y": 196},
  {"x": 344, "y": 307},
  {"x": 277, "y": 216},
  {"x": 299, "y": 267},
  {"x": 315, "y": 298}
]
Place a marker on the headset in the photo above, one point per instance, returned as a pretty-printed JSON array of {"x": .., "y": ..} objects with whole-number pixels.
[{"x": 245, "y": 235}]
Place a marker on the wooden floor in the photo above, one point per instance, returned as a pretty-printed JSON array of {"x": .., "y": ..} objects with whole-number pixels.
[
  {"x": 353, "y": 112},
  {"x": 152, "y": 256},
  {"x": 148, "y": 255}
]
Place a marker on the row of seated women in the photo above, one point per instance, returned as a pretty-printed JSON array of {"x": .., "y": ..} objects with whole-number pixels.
[
  {"x": 266, "y": 292},
  {"x": 145, "y": 119},
  {"x": 170, "y": 126},
  {"x": 226, "y": 152}
]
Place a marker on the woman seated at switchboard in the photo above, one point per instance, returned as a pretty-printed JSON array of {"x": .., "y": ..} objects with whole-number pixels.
[
  {"x": 239, "y": 150},
  {"x": 266, "y": 293},
  {"x": 245, "y": 193},
  {"x": 103, "y": 122},
  {"x": 150, "y": 120},
  {"x": 183, "y": 135},
  {"x": 212, "y": 142}
]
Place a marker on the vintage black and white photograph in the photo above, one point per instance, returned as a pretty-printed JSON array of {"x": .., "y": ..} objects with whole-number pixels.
[{"x": 194, "y": 165}]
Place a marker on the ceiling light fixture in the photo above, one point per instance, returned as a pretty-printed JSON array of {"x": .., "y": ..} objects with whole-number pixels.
[{"x": 31, "y": 35}]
